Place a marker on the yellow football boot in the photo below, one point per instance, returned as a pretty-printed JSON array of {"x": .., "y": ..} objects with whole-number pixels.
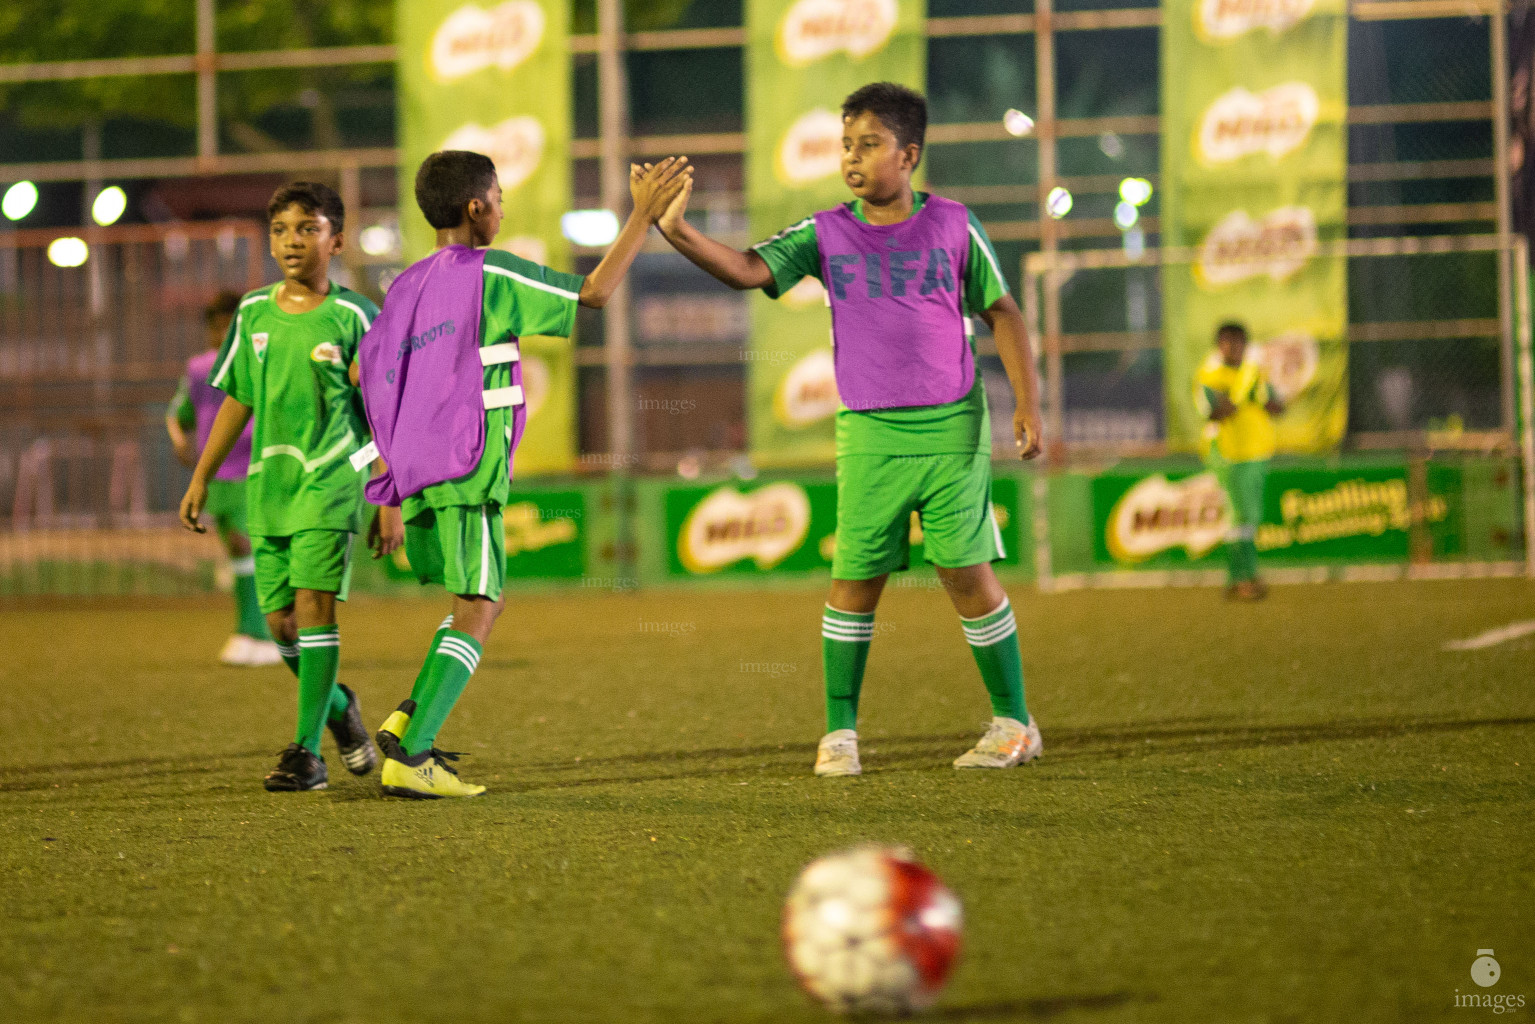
[{"x": 427, "y": 776}]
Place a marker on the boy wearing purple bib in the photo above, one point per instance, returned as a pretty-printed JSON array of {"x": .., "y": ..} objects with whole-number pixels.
[
  {"x": 441, "y": 377},
  {"x": 903, "y": 272},
  {"x": 189, "y": 421}
]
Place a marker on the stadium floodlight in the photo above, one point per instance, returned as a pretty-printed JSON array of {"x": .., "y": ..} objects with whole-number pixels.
[
  {"x": 1058, "y": 202},
  {"x": 1135, "y": 191},
  {"x": 1018, "y": 123},
  {"x": 377, "y": 240},
  {"x": 20, "y": 199},
  {"x": 68, "y": 252},
  {"x": 1125, "y": 215},
  {"x": 111, "y": 203},
  {"x": 590, "y": 227}
]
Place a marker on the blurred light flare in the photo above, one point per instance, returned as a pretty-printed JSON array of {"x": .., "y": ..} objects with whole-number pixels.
[
  {"x": 593, "y": 228},
  {"x": 1125, "y": 215},
  {"x": 1017, "y": 123},
  {"x": 1135, "y": 191},
  {"x": 68, "y": 252},
  {"x": 377, "y": 240},
  {"x": 110, "y": 204},
  {"x": 20, "y": 199},
  {"x": 1058, "y": 202}
]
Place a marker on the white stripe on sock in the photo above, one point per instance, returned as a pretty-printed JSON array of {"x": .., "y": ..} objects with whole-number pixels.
[
  {"x": 453, "y": 652},
  {"x": 288, "y": 650},
  {"x": 455, "y": 645},
  {"x": 987, "y": 637},
  {"x": 837, "y": 634},
  {"x": 243, "y": 566},
  {"x": 447, "y": 623}
]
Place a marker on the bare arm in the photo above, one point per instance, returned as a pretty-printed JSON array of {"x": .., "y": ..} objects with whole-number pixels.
[
  {"x": 1012, "y": 338},
  {"x": 740, "y": 270},
  {"x": 653, "y": 190},
  {"x": 227, "y": 426},
  {"x": 181, "y": 444}
]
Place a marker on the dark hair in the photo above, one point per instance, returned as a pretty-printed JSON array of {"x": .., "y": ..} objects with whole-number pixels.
[
  {"x": 221, "y": 305},
  {"x": 311, "y": 197},
  {"x": 1231, "y": 327},
  {"x": 900, "y": 109},
  {"x": 447, "y": 180}
]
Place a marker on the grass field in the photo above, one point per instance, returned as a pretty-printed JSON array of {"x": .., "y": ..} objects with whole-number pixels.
[{"x": 1300, "y": 811}]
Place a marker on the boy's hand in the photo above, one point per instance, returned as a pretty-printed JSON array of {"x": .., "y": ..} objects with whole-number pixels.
[
  {"x": 192, "y": 505},
  {"x": 675, "y": 210},
  {"x": 387, "y": 531},
  {"x": 654, "y": 188},
  {"x": 1222, "y": 408},
  {"x": 1028, "y": 430}
]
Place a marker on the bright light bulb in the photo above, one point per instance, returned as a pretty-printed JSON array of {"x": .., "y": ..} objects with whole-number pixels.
[
  {"x": 68, "y": 252},
  {"x": 1135, "y": 191},
  {"x": 1125, "y": 215},
  {"x": 590, "y": 227},
  {"x": 111, "y": 203},
  {"x": 376, "y": 240},
  {"x": 19, "y": 200},
  {"x": 1017, "y": 123},
  {"x": 1058, "y": 202}
]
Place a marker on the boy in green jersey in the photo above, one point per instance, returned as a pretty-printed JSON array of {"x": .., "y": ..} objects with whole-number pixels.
[
  {"x": 454, "y": 532},
  {"x": 913, "y": 434},
  {"x": 188, "y": 421},
  {"x": 285, "y": 364}
]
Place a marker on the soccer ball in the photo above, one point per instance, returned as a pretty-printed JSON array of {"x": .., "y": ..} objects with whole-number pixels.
[{"x": 870, "y": 930}]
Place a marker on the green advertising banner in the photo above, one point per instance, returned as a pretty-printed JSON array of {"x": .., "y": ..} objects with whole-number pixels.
[
  {"x": 495, "y": 79},
  {"x": 803, "y": 58},
  {"x": 1254, "y": 180},
  {"x": 1368, "y": 513},
  {"x": 545, "y": 537},
  {"x": 784, "y": 525}
]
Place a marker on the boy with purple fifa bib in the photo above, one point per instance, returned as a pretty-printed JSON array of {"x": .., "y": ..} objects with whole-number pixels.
[
  {"x": 903, "y": 271},
  {"x": 441, "y": 379}
]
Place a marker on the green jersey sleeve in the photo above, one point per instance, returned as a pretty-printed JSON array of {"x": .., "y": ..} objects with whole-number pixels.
[
  {"x": 181, "y": 410},
  {"x": 792, "y": 255},
  {"x": 232, "y": 373},
  {"x": 529, "y": 297},
  {"x": 984, "y": 283},
  {"x": 362, "y": 312}
]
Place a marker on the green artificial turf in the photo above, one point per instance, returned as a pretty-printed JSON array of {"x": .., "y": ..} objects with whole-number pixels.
[{"x": 1298, "y": 811}]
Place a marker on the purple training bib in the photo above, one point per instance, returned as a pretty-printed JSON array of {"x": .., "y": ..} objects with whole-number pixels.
[{"x": 206, "y": 400}]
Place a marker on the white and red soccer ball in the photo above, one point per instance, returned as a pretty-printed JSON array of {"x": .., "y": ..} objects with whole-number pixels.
[{"x": 870, "y": 930}]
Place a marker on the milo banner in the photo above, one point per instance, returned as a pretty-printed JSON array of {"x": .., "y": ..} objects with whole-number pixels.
[
  {"x": 1310, "y": 515},
  {"x": 495, "y": 78},
  {"x": 784, "y": 526},
  {"x": 1254, "y": 169},
  {"x": 803, "y": 57}
]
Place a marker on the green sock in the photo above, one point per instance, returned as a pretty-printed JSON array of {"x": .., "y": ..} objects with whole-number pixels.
[
  {"x": 453, "y": 659},
  {"x": 845, "y": 638},
  {"x": 336, "y": 710},
  {"x": 418, "y": 689},
  {"x": 319, "y": 653},
  {"x": 248, "y": 618},
  {"x": 1243, "y": 560},
  {"x": 289, "y": 654},
  {"x": 994, "y": 642}
]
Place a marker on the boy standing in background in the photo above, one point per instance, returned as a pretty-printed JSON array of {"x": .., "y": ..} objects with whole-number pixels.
[{"x": 193, "y": 408}]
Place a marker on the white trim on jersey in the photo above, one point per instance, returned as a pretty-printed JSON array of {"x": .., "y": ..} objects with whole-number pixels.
[
  {"x": 367, "y": 324},
  {"x": 531, "y": 283}
]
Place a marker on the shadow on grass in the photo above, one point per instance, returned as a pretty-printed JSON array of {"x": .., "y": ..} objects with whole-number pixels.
[
  {"x": 1033, "y": 1009},
  {"x": 24, "y": 778}
]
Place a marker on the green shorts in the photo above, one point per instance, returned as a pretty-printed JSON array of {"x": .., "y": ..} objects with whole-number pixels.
[
  {"x": 308, "y": 560},
  {"x": 876, "y": 495},
  {"x": 226, "y": 504},
  {"x": 1244, "y": 486},
  {"x": 463, "y": 547}
]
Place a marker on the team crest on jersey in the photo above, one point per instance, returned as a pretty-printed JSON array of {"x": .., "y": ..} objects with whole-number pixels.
[
  {"x": 258, "y": 342},
  {"x": 326, "y": 352}
]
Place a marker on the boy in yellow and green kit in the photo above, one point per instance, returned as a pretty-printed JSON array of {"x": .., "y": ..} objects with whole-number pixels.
[{"x": 1232, "y": 391}]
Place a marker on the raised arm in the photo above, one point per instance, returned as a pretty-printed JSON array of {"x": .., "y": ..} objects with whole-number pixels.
[
  {"x": 1012, "y": 339},
  {"x": 227, "y": 426},
  {"x": 653, "y": 189},
  {"x": 740, "y": 270}
]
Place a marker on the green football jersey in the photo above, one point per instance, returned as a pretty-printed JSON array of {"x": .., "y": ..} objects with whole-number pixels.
[
  {"x": 520, "y": 298},
  {"x": 291, "y": 369},
  {"x": 954, "y": 427}
]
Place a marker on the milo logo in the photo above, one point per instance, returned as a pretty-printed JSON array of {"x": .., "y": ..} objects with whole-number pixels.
[
  {"x": 767, "y": 526},
  {"x": 1241, "y": 123},
  {"x": 1290, "y": 361},
  {"x": 1219, "y": 20},
  {"x": 472, "y": 39},
  {"x": 1239, "y": 248},
  {"x": 811, "y": 149},
  {"x": 808, "y": 392},
  {"x": 1158, "y": 514},
  {"x": 515, "y": 146},
  {"x": 259, "y": 343},
  {"x": 813, "y": 29},
  {"x": 326, "y": 352},
  {"x": 425, "y": 338}
]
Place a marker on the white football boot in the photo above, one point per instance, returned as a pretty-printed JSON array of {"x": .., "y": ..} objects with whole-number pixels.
[
  {"x": 838, "y": 754},
  {"x": 1007, "y": 742}
]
